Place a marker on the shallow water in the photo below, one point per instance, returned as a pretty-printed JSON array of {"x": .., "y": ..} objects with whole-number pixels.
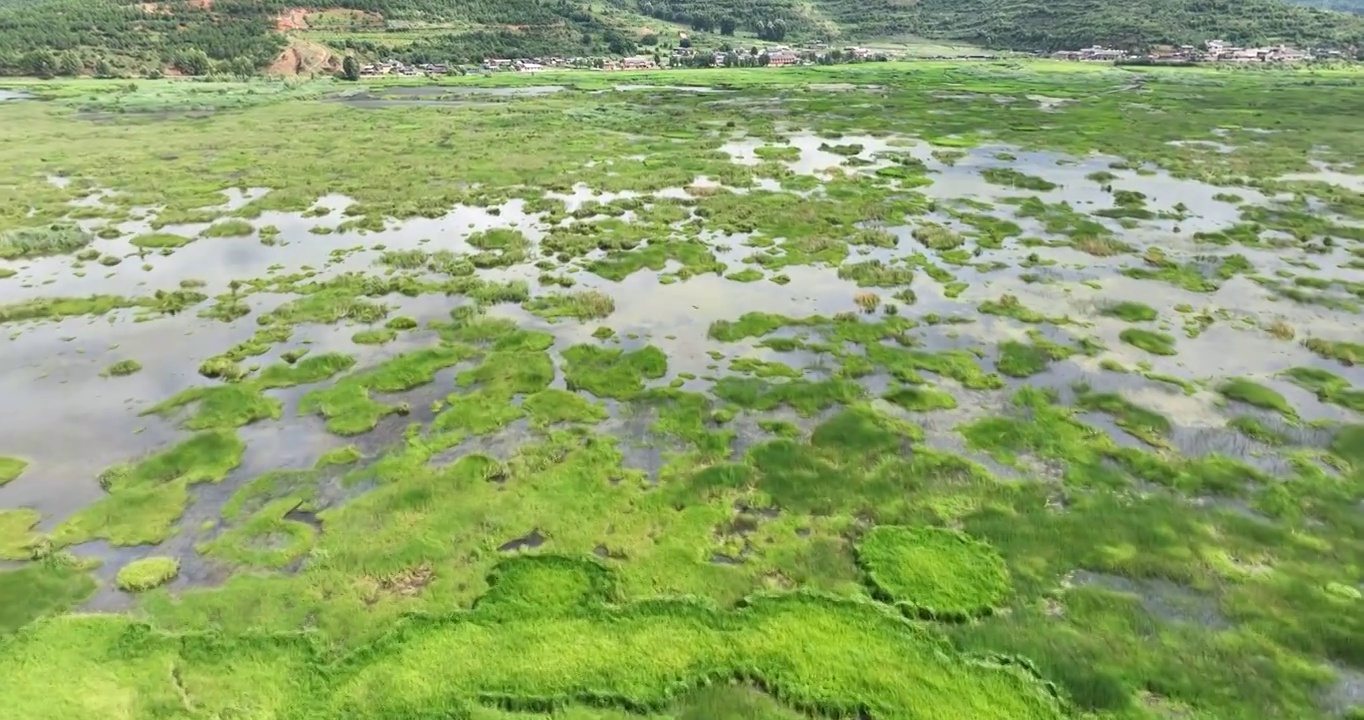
[{"x": 54, "y": 367}]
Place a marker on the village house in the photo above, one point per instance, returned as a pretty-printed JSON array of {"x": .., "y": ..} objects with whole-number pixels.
[
  {"x": 638, "y": 62},
  {"x": 781, "y": 57},
  {"x": 1092, "y": 53}
]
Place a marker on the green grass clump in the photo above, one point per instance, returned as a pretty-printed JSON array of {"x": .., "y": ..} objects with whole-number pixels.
[
  {"x": 920, "y": 398},
  {"x": 552, "y": 405},
  {"x": 234, "y": 227},
  {"x": 1328, "y": 386},
  {"x": 11, "y": 468},
  {"x": 1256, "y": 429},
  {"x": 1348, "y": 444},
  {"x": 347, "y": 404},
  {"x": 754, "y": 324},
  {"x": 936, "y": 237},
  {"x": 374, "y": 336},
  {"x": 1146, "y": 425},
  {"x": 905, "y": 365},
  {"x": 612, "y": 373},
  {"x": 1009, "y": 177},
  {"x": 122, "y": 368},
  {"x": 17, "y": 537},
  {"x": 344, "y": 455},
  {"x": 48, "y": 587},
  {"x": 501, "y": 247},
  {"x": 39, "y": 241},
  {"x": 1010, "y": 306},
  {"x": 56, "y": 308},
  {"x": 159, "y": 240},
  {"x": 584, "y": 305},
  {"x": 1130, "y": 311},
  {"x": 221, "y": 406},
  {"x": 303, "y": 370},
  {"x": 1152, "y": 341},
  {"x": 813, "y": 650},
  {"x": 145, "y": 499},
  {"x": 934, "y": 572},
  {"x": 267, "y": 539},
  {"x": 1022, "y": 360},
  {"x": 777, "y": 152},
  {"x": 875, "y": 273},
  {"x": 1346, "y": 353},
  {"x": 147, "y": 573},
  {"x": 806, "y": 397},
  {"x": 1253, "y": 393},
  {"x": 746, "y": 275}
]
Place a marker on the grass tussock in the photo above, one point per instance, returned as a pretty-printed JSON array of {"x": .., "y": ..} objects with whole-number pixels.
[
  {"x": 234, "y": 227},
  {"x": 936, "y": 573},
  {"x": 1257, "y": 395},
  {"x": 919, "y": 398},
  {"x": 867, "y": 301},
  {"x": 122, "y": 368},
  {"x": 11, "y": 468},
  {"x": 1101, "y": 245},
  {"x": 1151, "y": 341},
  {"x": 147, "y": 573},
  {"x": 39, "y": 241},
  {"x": 1130, "y": 311},
  {"x": 1281, "y": 330},
  {"x": 583, "y": 305},
  {"x": 1346, "y": 353}
]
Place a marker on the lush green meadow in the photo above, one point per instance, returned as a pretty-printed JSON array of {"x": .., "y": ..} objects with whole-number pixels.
[{"x": 925, "y": 390}]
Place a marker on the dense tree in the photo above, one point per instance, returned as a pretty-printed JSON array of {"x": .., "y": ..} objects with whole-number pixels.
[
  {"x": 727, "y": 25},
  {"x": 193, "y": 62},
  {"x": 350, "y": 68},
  {"x": 39, "y": 63},
  {"x": 69, "y": 63}
]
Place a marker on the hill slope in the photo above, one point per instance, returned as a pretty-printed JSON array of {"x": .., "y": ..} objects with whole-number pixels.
[
  {"x": 1069, "y": 24},
  {"x": 1354, "y": 6},
  {"x": 50, "y": 37},
  {"x": 1033, "y": 24}
]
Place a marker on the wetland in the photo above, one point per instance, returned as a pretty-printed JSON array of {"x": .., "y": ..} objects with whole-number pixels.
[{"x": 898, "y": 391}]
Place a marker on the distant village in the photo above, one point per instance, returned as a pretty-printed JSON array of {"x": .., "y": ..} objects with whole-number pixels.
[
  {"x": 821, "y": 54},
  {"x": 778, "y": 56},
  {"x": 1211, "y": 51}
]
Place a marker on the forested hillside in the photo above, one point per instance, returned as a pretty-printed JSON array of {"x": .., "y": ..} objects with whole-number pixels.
[
  {"x": 1354, "y": 6},
  {"x": 121, "y": 37},
  {"x": 47, "y": 37},
  {"x": 1069, "y": 24},
  {"x": 1030, "y": 24}
]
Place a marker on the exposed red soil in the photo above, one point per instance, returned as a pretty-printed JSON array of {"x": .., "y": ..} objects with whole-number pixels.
[
  {"x": 305, "y": 58},
  {"x": 292, "y": 19}
]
